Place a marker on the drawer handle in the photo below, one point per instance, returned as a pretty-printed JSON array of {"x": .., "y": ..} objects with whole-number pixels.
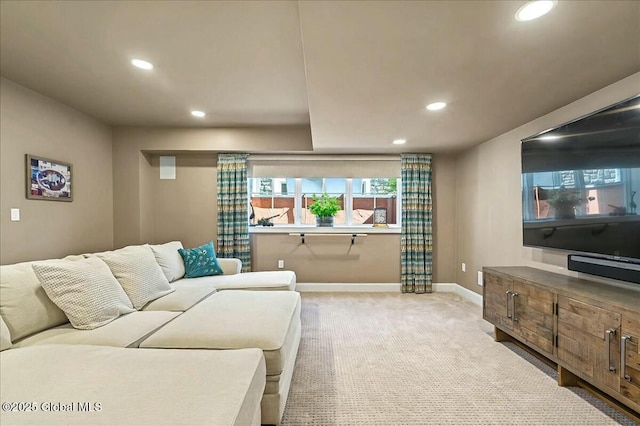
[
  {"x": 607, "y": 338},
  {"x": 507, "y": 294},
  {"x": 623, "y": 357},
  {"x": 513, "y": 309}
]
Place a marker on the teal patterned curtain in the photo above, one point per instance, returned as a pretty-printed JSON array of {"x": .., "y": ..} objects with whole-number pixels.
[
  {"x": 233, "y": 216},
  {"x": 416, "y": 242}
]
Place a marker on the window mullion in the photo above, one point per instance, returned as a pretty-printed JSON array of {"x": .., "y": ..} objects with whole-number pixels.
[
  {"x": 297, "y": 203},
  {"x": 348, "y": 202}
]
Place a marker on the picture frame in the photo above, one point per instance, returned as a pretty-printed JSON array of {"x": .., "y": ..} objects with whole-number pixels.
[
  {"x": 380, "y": 217},
  {"x": 48, "y": 179}
]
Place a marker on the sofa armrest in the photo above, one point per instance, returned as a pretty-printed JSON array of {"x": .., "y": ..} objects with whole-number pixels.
[{"x": 230, "y": 266}]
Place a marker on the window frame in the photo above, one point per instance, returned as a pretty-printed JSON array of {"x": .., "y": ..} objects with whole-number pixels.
[{"x": 348, "y": 202}]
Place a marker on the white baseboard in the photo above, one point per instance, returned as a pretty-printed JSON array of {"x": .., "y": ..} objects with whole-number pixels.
[
  {"x": 385, "y": 288},
  {"x": 463, "y": 292}
]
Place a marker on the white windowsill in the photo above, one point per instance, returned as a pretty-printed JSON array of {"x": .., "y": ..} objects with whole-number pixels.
[{"x": 311, "y": 229}]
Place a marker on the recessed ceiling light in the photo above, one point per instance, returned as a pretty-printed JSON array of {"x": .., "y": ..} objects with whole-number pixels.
[
  {"x": 399, "y": 141},
  {"x": 142, "y": 64},
  {"x": 534, "y": 9},
  {"x": 198, "y": 114},
  {"x": 436, "y": 106}
]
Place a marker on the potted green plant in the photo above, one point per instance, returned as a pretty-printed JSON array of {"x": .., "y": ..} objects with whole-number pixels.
[
  {"x": 324, "y": 208},
  {"x": 564, "y": 202}
]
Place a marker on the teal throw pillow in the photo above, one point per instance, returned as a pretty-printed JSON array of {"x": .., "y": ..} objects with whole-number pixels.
[{"x": 200, "y": 261}]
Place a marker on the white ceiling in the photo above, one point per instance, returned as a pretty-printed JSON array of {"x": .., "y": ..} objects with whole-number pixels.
[{"x": 360, "y": 73}]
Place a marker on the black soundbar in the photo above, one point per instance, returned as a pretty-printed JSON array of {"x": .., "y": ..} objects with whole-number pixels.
[{"x": 610, "y": 268}]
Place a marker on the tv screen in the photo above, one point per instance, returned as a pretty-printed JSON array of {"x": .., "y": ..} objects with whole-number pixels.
[{"x": 581, "y": 184}]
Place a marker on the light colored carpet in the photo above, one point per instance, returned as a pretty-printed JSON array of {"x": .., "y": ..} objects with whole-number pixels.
[{"x": 394, "y": 359}]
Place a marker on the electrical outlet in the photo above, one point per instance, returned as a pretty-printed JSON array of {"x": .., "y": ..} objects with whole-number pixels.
[
  {"x": 15, "y": 215},
  {"x": 464, "y": 267},
  {"x": 280, "y": 264},
  {"x": 479, "y": 277}
]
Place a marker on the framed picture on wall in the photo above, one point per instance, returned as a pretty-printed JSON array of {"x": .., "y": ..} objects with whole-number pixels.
[{"x": 48, "y": 179}]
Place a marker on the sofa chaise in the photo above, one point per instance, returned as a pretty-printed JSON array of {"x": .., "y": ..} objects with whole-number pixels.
[
  {"x": 100, "y": 385},
  {"x": 219, "y": 317}
]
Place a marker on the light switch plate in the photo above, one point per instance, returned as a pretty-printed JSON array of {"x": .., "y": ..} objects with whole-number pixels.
[
  {"x": 479, "y": 277},
  {"x": 15, "y": 215},
  {"x": 280, "y": 264},
  {"x": 464, "y": 267}
]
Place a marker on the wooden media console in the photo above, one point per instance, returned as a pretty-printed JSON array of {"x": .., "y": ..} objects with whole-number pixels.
[{"x": 589, "y": 329}]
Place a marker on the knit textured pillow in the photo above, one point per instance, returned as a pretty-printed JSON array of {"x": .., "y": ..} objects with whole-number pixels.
[
  {"x": 85, "y": 290},
  {"x": 138, "y": 273},
  {"x": 200, "y": 261}
]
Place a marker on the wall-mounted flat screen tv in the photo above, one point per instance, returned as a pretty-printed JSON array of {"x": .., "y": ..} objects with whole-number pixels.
[{"x": 581, "y": 184}]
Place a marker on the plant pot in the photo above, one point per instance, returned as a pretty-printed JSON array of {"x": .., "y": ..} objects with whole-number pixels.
[
  {"x": 565, "y": 212},
  {"x": 324, "y": 221}
]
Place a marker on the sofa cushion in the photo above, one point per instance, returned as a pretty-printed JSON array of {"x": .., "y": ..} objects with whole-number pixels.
[
  {"x": 264, "y": 280},
  {"x": 138, "y": 273},
  {"x": 235, "y": 320},
  {"x": 200, "y": 261},
  {"x": 24, "y": 305},
  {"x": 182, "y": 299},
  {"x": 85, "y": 290},
  {"x": 125, "y": 331},
  {"x": 174, "y": 387},
  {"x": 169, "y": 259},
  {"x": 5, "y": 336},
  {"x": 230, "y": 265}
]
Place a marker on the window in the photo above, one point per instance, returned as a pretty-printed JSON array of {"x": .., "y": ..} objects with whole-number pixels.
[
  {"x": 372, "y": 193},
  {"x": 335, "y": 187},
  {"x": 286, "y": 200},
  {"x": 271, "y": 198}
]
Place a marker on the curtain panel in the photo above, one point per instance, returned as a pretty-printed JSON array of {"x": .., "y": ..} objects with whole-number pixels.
[
  {"x": 233, "y": 215},
  {"x": 416, "y": 237}
]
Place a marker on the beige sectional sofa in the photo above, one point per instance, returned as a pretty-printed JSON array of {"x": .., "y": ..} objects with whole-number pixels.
[
  {"x": 100, "y": 385},
  {"x": 223, "y": 321}
]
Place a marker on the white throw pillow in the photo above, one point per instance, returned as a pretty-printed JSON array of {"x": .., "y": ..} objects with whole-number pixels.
[
  {"x": 138, "y": 273},
  {"x": 24, "y": 305},
  {"x": 169, "y": 259},
  {"x": 85, "y": 290},
  {"x": 5, "y": 336}
]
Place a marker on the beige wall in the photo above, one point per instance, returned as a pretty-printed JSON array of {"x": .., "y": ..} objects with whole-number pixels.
[
  {"x": 148, "y": 209},
  {"x": 372, "y": 259},
  {"x": 488, "y": 195},
  {"x": 143, "y": 209},
  {"x": 444, "y": 215},
  {"x": 477, "y": 211},
  {"x": 184, "y": 209},
  {"x": 34, "y": 124}
]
